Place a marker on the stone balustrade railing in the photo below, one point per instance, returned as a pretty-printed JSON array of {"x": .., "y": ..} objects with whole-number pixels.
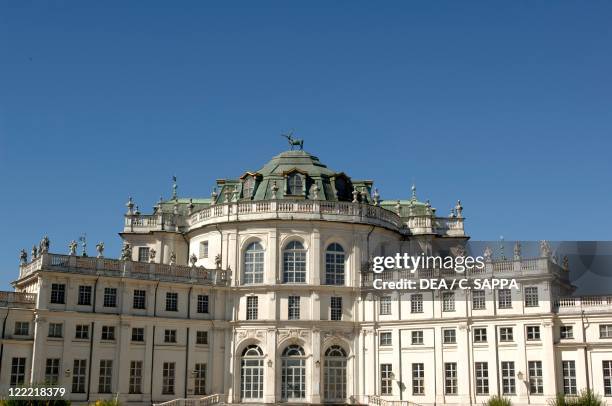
[
  {"x": 294, "y": 210},
  {"x": 204, "y": 401},
  {"x": 126, "y": 269},
  {"x": 579, "y": 304},
  {"x": 17, "y": 299},
  {"x": 497, "y": 269}
]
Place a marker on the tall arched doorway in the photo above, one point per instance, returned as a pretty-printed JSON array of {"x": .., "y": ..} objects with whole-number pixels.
[
  {"x": 334, "y": 384},
  {"x": 251, "y": 373},
  {"x": 293, "y": 373}
]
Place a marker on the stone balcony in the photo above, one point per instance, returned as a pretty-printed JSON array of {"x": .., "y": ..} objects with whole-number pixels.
[
  {"x": 124, "y": 269},
  {"x": 17, "y": 300},
  {"x": 294, "y": 210},
  {"x": 587, "y": 304}
]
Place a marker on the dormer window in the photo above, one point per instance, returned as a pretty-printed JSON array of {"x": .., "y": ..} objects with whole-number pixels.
[
  {"x": 295, "y": 184},
  {"x": 248, "y": 186}
]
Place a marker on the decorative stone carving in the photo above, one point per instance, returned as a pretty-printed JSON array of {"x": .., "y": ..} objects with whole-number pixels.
[
  {"x": 34, "y": 252},
  {"x": 517, "y": 251},
  {"x": 292, "y": 333},
  {"x": 274, "y": 190},
  {"x": 315, "y": 192},
  {"x": 545, "y": 250},
  {"x": 45, "y": 244},
  {"x": 355, "y": 195},
  {"x": 459, "y": 209},
  {"x": 190, "y": 206},
  {"x": 72, "y": 247},
  {"x": 218, "y": 261},
  {"x": 172, "y": 258},
  {"x": 565, "y": 262},
  {"x": 100, "y": 249},
  {"x": 398, "y": 207},
  {"x": 126, "y": 252},
  {"x": 213, "y": 196},
  {"x": 152, "y": 255},
  {"x": 376, "y": 197},
  {"x": 130, "y": 206},
  {"x": 193, "y": 259},
  {"x": 488, "y": 254},
  {"x": 23, "y": 257}
]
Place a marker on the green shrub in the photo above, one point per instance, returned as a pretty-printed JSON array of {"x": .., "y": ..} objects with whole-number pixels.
[
  {"x": 586, "y": 398},
  {"x": 498, "y": 401},
  {"x": 107, "y": 402},
  {"x": 23, "y": 402}
]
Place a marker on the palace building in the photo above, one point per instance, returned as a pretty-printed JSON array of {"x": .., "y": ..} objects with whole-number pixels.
[{"x": 263, "y": 293}]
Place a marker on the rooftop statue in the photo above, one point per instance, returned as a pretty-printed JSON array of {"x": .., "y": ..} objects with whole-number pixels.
[
  {"x": 293, "y": 142},
  {"x": 23, "y": 256}
]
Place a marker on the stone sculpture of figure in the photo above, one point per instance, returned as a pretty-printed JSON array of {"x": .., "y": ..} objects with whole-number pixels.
[
  {"x": 459, "y": 209},
  {"x": 218, "y": 261},
  {"x": 488, "y": 254},
  {"x": 126, "y": 252},
  {"x": 45, "y": 244},
  {"x": 398, "y": 207},
  {"x": 213, "y": 196},
  {"x": 152, "y": 255},
  {"x": 23, "y": 257},
  {"x": 355, "y": 195},
  {"x": 172, "y": 258},
  {"x": 376, "y": 197},
  {"x": 274, "y": 190},
  {"x": 517, "y": 251},
  {"x": 545, "y": 250},
  {"x": 100, "y": 249},
  {"x": 193, "y": 259},
  {"x": 72, "y": 247},
  {"x": 34, "y": 252},
  {"x": 293, "y": 142},
  {"x": 40, "y": 247},
  {"x": 315, "y": 192},
  {"x": 565, "y": 262}
]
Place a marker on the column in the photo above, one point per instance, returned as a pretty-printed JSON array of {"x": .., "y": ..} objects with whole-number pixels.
[
  {"x": 41, "y": 328},
  {"x": 317, "y": 365}
]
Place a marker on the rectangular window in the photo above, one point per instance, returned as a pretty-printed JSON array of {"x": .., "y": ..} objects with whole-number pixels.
[
  {"x": 200, "y": 379},
  {"x": 385, "y": 338},
  {"x": 81, "y": 332},
  {"x": 569, "y": 377},
  {"x": 110, "y": 297},
  {"x": 385, "y": 305},
  {"x": 504, "y": 299},
  {"x": 252, "y": 307},
  {"x": 84, "y": 295},
  {"x": 531, "y": 296},
  {"x": 536, "y": 379},
  {"x": 106, "y": 376},
  {"x": 508, "y": 380},
  {"x": 418, "y": 379},
  {"x": 108, "y": 333},
  {"x": 386, "y": 382},
  {"x": 143, "y": 254},
  {"x": 202, "y": 303},
  {"x": 140, "y": 299},
  {"x": 449, "y": 336},
  {"x": 18, "y": 366},
  {"x": 506, "y": 334},
  {"x": 22, "y": 328},
  {"x": 202, "y": 337},
  {"x": 135, "y": 377},
  {"x": 607, "y": 378},
  {"x": 416, "y": 303},
  {"x": 566, "y": 332},
  {"x": 417, "y": 337},
  {"x": 481, "y": 370},
  {"x": 336, "y": 308},
  {"x": 55, "y": 330},
  {"x": 605, "y": 331},
  {"x": 293, "y": 310},
  {"x": 533, "y": 333},
  {"x": 52, "y": 371},
  {"x": 450, "y": 378},
  {"x": 203, "y": 253},
  {"x": 448, "y": 302},
  {"x": 480, "y": 335},
  {"x": 138, "y": 334},
  {"x": 170, "y": 336},
  {"x": 58, "y": 293},
  {"x": 171, "y": 301},
  {"x": 79, "y": 375},
  {"x": 478, "y": 300},
  {"x": 168, "y": 378}
]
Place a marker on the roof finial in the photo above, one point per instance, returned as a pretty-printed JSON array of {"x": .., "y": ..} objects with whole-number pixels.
[
  {"x": 413, "y": 188},
  {"x": 293, "y": 142},
  {"x": 174, "y": 188}
]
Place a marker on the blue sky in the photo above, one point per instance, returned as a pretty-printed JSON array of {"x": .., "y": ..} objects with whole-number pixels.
[{"x": 504, "y": 105}]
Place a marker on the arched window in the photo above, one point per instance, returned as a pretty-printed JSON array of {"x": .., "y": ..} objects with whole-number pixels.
[
  {"x": 334, "y": 384},
  {"x": 247, "y": 187},
  {"x": 294, "y": 263},
  {"x": 253, "y": 263},
  {"x": 293, "y": 374},
  {"x": 294, "y": 184},
  {"x": 251, "y": 373},
  {"x": 334, "y": 265}
]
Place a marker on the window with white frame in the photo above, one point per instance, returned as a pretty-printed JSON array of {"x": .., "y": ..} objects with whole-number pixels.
[
  {"x": 110, "y": 297},
  {"x": 449, "y": 336},
  {"x": 569, "y": 377},
  {"x": 417, "y": 337},
  {"x": 605, "y": 331},
  {"x": 418, "y": 379},
  {"x": 18, "y": 366},
  {"x": 171, "y": 301},
  {"x": 416, "y": 303},
  {"x": 607, "y": 377},
  {"x": 52, "y": 371},
  {"x": 22, "y": 328},
  {"x": 251, "y": 373},
  {"x": 143, "y": 254},
  {"x": 536, "y": 378},
  {"x": 202, "y": 304},
  {"x": 170, "y": 336},
  {"x": 202, "y": 337},
  {"x": 138, "y": 334},
  {"x": 334, "y": 264},
  {"x": 386, "y": 379},
  {"x": 448, "y": 301},
  {"x": 508, "y": 379},
  {"x": 79, "y": 375},
  {"x": 140, "y": 299},
  {"x": 254, "y": 263},
  {"x": 58, "y": 293},
  {"x": 566, "y": 332},
  {"x": 334, "y": 384},
  {"x": 293, "y": 307},
  {"x": 203, "y": 249},
  {"x": 295, "y": 184},
  {"x": 105, "y": 377},
  {"x": 531, "y": 296},
  {"x": 385, "y": 338},
  {"x": 480, "y": 334},
  {"x": 248, "y": 186},
  {"x": 385, "y": 305},
  {"x": 168, "y": 378},
  {"x": 336, "y": 308},
  {"x": 84, "y": 295},
  {"x": 56, "y": 330},
  {"x": 478, "y": 300},
  {"x": 108, "y": 333},
  {"x": 251, "y": 308},
  {"x": 533, "y": 333},
  {"x": 135, "y": 377},
  {"x": 450, "y": 378},
  {"x": 481, "y": 371},
  {"x": 199, "y": 379},
  {"x": 504, "y": 299},
  {"x": 506, "y": 334},
  {"x": 294, "y": 263},
  {"x": 293, "y": 373},
  {"x": 81, "y": 332}
]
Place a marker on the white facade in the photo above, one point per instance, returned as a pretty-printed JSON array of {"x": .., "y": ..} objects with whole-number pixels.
[{"x": 261, "y": 294}]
